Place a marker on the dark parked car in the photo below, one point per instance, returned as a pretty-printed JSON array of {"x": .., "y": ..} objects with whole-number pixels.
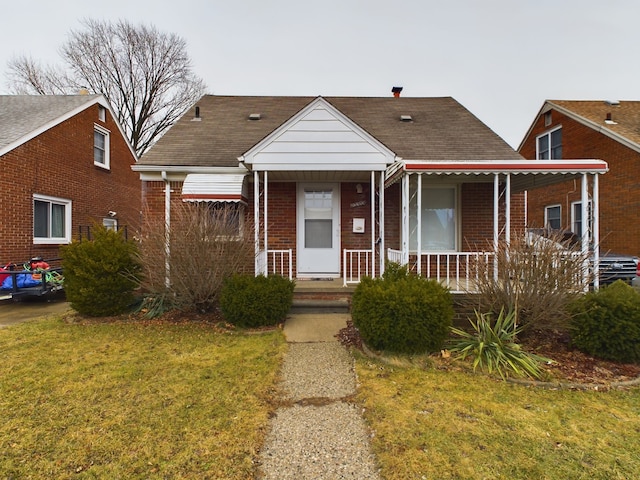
[{"x": 611, "y": 267}]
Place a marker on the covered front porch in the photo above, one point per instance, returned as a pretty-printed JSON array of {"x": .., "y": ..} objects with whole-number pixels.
[{"x": 442, "y": 219}]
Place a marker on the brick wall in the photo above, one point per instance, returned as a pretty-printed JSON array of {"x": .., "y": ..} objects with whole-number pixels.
[
  {"x": 619, "y": 195},
  {"x": 476, "y": 214},
  {"x": 59, "y": 163}
]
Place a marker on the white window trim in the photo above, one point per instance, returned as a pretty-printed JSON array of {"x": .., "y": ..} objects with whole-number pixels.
[
  {"x": 110, "y": 223},
  {"x": 102, "y": 113},
  {"x": 546, "y": 134},
  {"x": 573, "y": 216},
  {"x": 67, "y": 221},
  {"x": 546, "y": 214},
  {"x": 107, "y": 150}
]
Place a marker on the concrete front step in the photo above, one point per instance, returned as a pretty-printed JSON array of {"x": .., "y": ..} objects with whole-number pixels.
[{"x": 319, "y": 305}]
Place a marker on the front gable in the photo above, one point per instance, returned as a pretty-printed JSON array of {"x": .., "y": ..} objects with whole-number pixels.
[{"x": 319, "y": 138}]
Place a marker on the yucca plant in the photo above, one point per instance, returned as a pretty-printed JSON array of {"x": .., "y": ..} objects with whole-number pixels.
[{"x": 493, "y": 346}]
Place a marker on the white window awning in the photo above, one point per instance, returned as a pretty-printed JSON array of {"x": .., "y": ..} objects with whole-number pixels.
[{"x": 214, "y": 187}]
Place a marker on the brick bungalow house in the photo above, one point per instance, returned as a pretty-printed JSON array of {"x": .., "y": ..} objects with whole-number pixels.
[
  {"x": 338, "y": 185},
  {"x": 589, "y": 129},
  {"x": 65, "y": 164}
]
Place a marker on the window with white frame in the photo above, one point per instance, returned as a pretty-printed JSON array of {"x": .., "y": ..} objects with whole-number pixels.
[
  {"x": 101, "y": 147},
  {"x": 51, "y": 220},
  {"x": 102, "y": 113},
  {"x": 110, "y": 223},
  {"x": 576, "y": 218},
  {"x": 553, "y": 217},
  {"x": 438, "y": 218},
  {"x": 549, "y": 145}
]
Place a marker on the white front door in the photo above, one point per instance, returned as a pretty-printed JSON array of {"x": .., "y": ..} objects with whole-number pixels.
[{"x": 318, "y": 228}]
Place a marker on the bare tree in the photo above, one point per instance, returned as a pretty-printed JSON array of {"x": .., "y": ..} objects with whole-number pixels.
[{"x": 145, "y": 74}]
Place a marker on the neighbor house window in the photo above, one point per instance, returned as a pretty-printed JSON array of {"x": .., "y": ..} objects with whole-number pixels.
[
  {"x": 550, "y": 145},
  {"x": 51, "y": 220},
  {"x": 552, "y": 217},
  {"x": 101, "y": 147},
  {"x": 438, "y": 218},
  {"x": 576, "y": 218},
  {"x": 102, "y": 113}
]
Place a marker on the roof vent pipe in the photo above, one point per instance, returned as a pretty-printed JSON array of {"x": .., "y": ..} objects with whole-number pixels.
[{"x": 396, "y": 91}]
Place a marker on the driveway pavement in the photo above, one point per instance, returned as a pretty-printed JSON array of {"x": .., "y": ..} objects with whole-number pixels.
[{"x": 16, "y": 312}]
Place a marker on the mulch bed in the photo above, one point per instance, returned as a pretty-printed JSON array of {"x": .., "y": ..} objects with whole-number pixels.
[{"x": 569, "y": 366}]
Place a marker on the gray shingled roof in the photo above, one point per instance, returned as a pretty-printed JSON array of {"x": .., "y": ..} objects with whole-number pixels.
[
  {"x": 21, "y": 115},
  {"x": 441, "y": 129}
]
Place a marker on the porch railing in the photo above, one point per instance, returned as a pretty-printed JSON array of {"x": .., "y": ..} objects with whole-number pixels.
[
  {"x": 355, "y": 265},
  {"x": 458, "y": 271},
  {"x": 279, "y": 262}
]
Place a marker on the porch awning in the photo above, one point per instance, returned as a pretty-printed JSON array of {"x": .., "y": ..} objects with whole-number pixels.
[
  {"x": 214, "y": 187},
  {"x": 529, "y": 173}
]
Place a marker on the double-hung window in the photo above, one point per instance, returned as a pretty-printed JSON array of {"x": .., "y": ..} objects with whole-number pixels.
[
  {"x": 438, "y": 218},
  {"x": 51, "y": 220},
  {"x": 553, "y": 217},
  {"x": 576, "y": 218},
  {"x": 101, "y": 147},
  {"x": 549, "y": 145}
]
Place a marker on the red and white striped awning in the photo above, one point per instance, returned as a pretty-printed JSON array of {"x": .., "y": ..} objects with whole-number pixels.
[
  {"x": 533, "y": 169},
  {"x": 214, "y": 187}
]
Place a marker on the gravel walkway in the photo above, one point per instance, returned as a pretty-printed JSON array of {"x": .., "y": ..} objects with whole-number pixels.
[{"x": 322, "y": 434}]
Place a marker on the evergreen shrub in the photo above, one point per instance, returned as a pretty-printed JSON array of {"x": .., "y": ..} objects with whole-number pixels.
[
  {"x": 401, "y": 312},
  {"x": 101, "y": 274},
  {"x": 250, "y": 301},
  {"x": 606, "y": 323}
]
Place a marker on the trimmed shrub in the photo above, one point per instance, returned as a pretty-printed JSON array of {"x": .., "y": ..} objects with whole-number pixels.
[
  {"x": 402, "y": 313},
  {"x": 100, "y": 275},
  {"x": 250, "y": 301},
  {"x": 606, "y": 323}
]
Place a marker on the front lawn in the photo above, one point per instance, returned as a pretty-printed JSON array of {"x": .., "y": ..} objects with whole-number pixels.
[
  {"x": 130, "y": 400},
  {"x": 429, "y": 423}
]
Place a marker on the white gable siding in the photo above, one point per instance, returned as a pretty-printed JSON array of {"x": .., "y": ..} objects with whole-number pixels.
[{"x": 319, "y": 138}]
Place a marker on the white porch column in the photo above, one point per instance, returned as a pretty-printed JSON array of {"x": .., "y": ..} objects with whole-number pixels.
[
  {"x": 496, "y": 222},
  {"x": 265, "y": 214},
  {"x": 405, "y": 219},
  {"x": 595, "y": 211},
  {"x": 256, "y": 221},
  {"x": 507, "y": 194},
  {"x": 419, "y": 224},
  {"x": 373, "y": 224},
  {"x": 383, "y": 253}
]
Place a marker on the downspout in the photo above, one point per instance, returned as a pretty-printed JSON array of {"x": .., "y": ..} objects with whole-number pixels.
[
  {"x": 419, "y": 225},
  {"x": 167, "y": 229}
]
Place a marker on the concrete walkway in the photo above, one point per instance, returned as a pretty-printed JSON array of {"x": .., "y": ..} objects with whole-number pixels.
[{"x": 319, "y": 433}]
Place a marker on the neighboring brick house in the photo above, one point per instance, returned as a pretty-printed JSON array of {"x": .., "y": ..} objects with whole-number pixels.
[
  {"x": 609, "y": 131},
  {"x": 64, "y": 165},
  {"x": 337, "y": 182}
]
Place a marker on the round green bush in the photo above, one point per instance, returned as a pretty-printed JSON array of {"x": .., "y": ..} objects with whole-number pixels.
[
  {"x": 100, "y": 275},
  {"x": 250, "y": 301},
  {"x": 402, "y": 313},
  {"x": 606, "y": 323}
]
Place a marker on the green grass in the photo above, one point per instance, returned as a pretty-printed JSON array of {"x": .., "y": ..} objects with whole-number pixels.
[
  {"x": 430, "y": 423},
  {"x": 128, "y": 401}
]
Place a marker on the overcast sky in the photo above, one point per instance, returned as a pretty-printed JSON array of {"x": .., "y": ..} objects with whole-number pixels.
[{"x": 500, "y": 58}]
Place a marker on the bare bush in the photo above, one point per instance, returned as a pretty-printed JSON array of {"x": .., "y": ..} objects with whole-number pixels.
[
  {"x": 207, "y": 243},
  {"x": 535, "y": 277}
]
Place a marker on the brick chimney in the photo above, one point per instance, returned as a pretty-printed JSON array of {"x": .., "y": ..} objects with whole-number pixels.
[{"x": 396, "y": 91}]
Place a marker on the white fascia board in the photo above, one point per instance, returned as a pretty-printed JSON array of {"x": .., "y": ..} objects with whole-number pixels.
[{"x": 152, "y": 173}]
